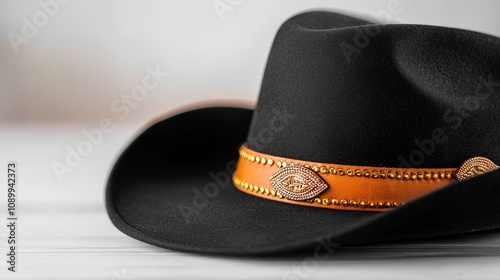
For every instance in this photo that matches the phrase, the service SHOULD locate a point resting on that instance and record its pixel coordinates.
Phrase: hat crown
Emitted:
(340, 90)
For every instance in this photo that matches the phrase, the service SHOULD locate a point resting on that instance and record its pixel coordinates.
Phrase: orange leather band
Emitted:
(360, 188)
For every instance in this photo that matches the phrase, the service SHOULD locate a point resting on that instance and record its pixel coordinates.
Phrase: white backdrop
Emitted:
(86, 54)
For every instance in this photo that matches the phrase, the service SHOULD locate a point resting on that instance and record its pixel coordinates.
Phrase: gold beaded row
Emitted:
(257, 159)
(256, 189)
(425, 175)
(319, 200)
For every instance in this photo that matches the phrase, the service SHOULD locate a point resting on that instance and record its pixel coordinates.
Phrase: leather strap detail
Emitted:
(334, 186)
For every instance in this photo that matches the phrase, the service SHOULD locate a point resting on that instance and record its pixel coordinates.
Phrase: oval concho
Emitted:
(474, 166)
(297, 182)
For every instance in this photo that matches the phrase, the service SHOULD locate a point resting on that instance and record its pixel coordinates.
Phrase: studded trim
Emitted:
(339, 171)
(349, 187)
(326, 201)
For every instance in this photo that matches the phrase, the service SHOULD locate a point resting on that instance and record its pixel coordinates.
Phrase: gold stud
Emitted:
(307, 166)
(388, 205)
(372, 205)
(341, 172)
(317, 200)
(278, 163)
(344, 202)
(349, 172)
(246, 186)
(323, 169)
(263, 160)
(279, 195)
(255, 188)
(362, 204)
(315, 168)
(261, 189)
(266, 191)
(358, 172)
(252, 158)
(335, 201)
(283, 164)
(272, 193)
(382, 174)
(398, 176)
(395, 204)
(353, 203)
(406, 176)
(270, 162)
(390, 175)
(332, 170)
(413, 176)
(441, 175)
(435, 176)
(366, 173)
(380, 204)
(427, 176)
(326, 201)
(448, 175)
(374, 174)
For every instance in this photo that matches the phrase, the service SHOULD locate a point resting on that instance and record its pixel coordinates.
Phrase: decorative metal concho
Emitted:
(474, 166)
(297, 182)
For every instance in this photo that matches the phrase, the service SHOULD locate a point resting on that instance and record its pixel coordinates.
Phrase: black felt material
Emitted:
(154, 180)
(402, 86)
(152, 184)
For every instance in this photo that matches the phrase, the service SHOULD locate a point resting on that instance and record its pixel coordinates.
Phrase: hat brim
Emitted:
(171, 188)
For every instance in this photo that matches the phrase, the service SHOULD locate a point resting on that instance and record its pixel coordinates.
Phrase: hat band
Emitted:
(345, 187)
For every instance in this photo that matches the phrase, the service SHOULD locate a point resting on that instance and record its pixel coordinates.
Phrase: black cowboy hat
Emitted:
(338, 91)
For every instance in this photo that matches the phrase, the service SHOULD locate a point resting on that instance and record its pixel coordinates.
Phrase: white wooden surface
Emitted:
(64, 231)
